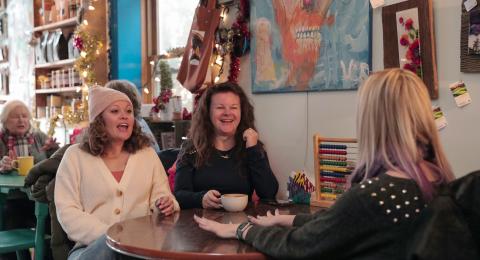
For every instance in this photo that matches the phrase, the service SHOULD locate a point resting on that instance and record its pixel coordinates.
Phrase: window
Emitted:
(174, 19)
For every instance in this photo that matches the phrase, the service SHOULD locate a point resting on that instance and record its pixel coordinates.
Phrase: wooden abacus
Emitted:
(335, 160)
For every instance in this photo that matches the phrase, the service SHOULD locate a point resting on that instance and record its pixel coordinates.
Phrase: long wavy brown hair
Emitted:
(202, 131)
(96, 139)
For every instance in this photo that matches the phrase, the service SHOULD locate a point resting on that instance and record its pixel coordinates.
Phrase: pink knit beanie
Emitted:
(99, 98)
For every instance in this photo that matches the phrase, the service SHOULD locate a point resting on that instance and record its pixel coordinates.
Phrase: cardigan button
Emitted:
(116, 211)
(119, 193)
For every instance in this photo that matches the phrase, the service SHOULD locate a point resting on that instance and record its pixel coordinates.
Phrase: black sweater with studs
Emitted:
(372, 220)
(225, 174)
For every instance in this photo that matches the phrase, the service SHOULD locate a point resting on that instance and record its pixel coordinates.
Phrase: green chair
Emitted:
(18, 240)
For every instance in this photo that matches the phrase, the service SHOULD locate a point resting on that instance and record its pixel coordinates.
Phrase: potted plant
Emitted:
(161, 104)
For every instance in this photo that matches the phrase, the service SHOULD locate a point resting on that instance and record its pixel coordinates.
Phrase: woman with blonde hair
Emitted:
(401, 165)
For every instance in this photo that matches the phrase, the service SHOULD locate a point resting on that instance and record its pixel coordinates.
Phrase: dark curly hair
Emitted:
(96, 138)
(202, 131)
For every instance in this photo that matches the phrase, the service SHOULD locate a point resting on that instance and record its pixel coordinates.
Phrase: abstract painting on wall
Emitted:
(309, 45)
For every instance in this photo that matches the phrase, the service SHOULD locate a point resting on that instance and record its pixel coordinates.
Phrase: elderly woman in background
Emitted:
(223, 154)
(112, 175)
(18, 138)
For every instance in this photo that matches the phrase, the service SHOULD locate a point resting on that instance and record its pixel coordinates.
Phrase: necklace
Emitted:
(224, 154)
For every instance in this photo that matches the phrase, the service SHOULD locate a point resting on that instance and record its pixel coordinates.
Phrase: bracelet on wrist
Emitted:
(242, 228)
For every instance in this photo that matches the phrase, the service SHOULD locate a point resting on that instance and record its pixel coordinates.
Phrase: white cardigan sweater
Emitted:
(89, 199)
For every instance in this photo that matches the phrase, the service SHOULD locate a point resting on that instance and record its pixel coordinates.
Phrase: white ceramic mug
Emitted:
(234, 202)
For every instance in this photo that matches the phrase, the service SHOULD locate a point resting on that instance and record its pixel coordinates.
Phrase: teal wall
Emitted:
(126, 41)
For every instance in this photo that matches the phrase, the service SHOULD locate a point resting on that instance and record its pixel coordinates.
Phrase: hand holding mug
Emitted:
(165, 205)
(250, 136)
(6, 163)
(211, 200)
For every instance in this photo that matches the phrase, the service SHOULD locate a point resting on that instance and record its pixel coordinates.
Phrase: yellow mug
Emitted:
(23, 164)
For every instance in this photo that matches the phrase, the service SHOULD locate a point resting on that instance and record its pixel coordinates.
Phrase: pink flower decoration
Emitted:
(404, 41)
(400, 20)
(78, 42)
(409, 24)
(410, 67)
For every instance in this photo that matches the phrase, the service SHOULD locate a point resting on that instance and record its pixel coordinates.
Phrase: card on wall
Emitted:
(459, 91)
(439, 117)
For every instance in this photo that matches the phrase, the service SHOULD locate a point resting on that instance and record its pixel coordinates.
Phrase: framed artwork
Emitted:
(299, 45)
(470, 40)
(408, 40)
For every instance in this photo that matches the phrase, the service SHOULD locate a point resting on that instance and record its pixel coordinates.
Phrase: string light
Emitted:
(83, 54)
(85, 22)
(85, 74)
(91, 8)
(146, 91)
(157, 79)
(152, 62)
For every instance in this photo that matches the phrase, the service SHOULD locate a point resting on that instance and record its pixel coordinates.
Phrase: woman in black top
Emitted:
(223, 154)
(401, 164)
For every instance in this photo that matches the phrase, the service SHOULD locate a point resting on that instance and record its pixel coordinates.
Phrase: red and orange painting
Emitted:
(309, 45)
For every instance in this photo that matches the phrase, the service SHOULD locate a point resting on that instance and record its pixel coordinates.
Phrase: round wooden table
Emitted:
(179, 237)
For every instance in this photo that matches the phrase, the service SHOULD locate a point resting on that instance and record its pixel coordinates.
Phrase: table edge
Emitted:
(135, 252)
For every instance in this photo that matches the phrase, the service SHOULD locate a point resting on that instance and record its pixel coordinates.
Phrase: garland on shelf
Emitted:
(241, 39)
(234, 41)
(89, 47)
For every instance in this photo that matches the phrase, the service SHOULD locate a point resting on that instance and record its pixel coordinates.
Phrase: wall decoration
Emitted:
(300, 45)
(460, 94)
(408, 40)
(440, 120)
(470, 40)
(409, 43)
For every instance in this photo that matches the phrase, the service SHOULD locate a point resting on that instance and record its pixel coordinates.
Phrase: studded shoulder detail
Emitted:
(398, 199)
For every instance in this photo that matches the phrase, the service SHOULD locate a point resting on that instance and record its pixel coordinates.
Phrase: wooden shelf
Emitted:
(55, 64)
(58, 90)
(64, 23)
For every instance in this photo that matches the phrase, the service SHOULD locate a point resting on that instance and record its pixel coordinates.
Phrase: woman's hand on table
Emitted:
(272, 219)
(221, 230)
(211, 200)
(250, 137)
(165, 205)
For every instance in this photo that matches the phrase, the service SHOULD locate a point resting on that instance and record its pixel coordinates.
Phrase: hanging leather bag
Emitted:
(198, 51)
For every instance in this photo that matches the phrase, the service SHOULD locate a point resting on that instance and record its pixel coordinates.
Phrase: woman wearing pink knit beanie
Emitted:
(112, 175)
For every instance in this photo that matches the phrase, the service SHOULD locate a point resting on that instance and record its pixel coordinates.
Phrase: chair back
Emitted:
(448, 228)
(41, 212)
